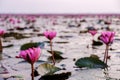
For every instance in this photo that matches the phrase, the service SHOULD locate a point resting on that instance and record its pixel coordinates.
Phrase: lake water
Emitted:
(72, 39)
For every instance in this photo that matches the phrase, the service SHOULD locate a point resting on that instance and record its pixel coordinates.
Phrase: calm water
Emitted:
(71, 39)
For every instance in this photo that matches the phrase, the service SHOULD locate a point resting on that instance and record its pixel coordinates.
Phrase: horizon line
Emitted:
(64, 14)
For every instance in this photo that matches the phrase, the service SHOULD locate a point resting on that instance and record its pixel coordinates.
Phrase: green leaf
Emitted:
(61, 76)
(33, 44)
(46, 69)
(8, 46)
(15, 35)
(90, 62)
(97, 43)
(39, 61)
(17, 76)
(55, 52)
(56, 56)
(65, 42)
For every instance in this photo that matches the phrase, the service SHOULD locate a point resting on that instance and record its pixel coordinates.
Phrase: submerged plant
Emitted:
(31, 55)
(107, 37)
(50, 35)
(1, 34)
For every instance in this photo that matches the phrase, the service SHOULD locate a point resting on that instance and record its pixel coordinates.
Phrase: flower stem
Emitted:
(107, 46)
(105, 54)
(92, 41)
(0, 45)
(52, 52)
(32, 69)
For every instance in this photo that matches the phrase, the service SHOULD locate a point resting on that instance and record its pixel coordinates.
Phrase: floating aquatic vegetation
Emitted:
(55, 52)
(46, 69)
(83, 31)
(32, 44)
(38, 61)
(8, 46)
(57, 56)
(90, 62)
(61, 76)
(64, 42)
(15, 35)
(67, 36)
(97, 43)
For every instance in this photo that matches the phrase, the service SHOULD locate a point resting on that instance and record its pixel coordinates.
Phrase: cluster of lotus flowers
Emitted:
(107, 38)
(31, 55)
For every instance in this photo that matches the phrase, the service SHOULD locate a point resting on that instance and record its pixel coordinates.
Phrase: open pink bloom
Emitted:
(50, 34)
(92, 32)
(2, 32)
(107, 37)
(31, 55)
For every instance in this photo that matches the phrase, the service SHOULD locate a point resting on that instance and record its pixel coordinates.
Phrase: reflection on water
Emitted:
(1, 56)
(0, 45)
(106, 74)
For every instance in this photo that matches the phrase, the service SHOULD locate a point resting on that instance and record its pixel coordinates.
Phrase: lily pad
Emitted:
(33, 44)
(46, 69)
(65, 42)
(15, 35)
(97, 43)
(8, 46)
(90, 28)
(83, 31)
(90, 62)
(68, 36)
(17, 76)
(55, 52)
(39, 61)
(14, 77)
(57, 57)
(61, 76)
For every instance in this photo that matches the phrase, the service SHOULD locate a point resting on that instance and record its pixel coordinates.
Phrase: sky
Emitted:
(59, 6)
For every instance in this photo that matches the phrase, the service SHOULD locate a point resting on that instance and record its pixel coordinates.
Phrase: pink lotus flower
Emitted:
(92, 32)
(11, 20)
(107, 37)
(31, 55)
(2, 32)
(31, 18)
(50, 34)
